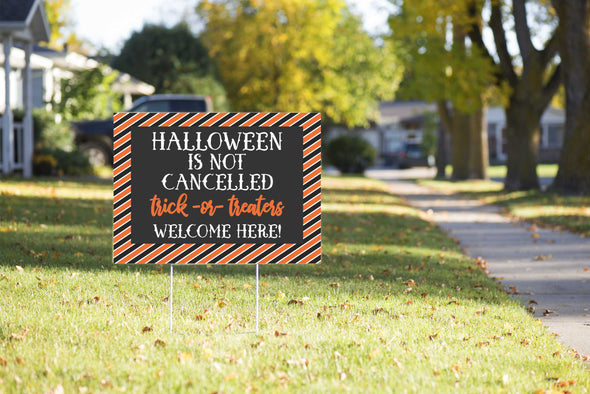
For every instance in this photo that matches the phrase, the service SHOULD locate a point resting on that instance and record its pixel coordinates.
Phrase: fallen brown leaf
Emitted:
(59, 389)
(410, 282)
(183, 357)
(21, 336)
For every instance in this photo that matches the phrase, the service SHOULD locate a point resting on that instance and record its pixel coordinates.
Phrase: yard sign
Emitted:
(217, 188)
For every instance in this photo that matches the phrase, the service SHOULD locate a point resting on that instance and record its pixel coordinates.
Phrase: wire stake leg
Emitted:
(170, 297)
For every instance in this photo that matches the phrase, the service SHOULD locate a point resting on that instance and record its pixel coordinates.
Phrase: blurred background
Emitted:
(452, 85)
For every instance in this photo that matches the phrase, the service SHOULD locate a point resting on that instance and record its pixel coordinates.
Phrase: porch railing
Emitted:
(18, 153)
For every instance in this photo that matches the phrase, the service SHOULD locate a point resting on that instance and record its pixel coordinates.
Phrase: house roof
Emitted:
(128, 84)
(17, 58)
(392, 112)
(24, 19)
(15, 10)
(70, 61)
(551, 115)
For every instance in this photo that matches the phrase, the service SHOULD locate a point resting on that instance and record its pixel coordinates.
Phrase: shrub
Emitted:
(55, 152)
(64, 162)
(44, 164)
(49, 134)
(350, 154)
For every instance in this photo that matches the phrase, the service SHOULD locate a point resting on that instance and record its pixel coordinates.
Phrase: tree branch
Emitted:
(476, 37)
(521, 27)
(497, 27)
(551, 86)
(551, 47)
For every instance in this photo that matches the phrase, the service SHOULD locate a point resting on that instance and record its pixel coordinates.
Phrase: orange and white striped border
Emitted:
(309, 251)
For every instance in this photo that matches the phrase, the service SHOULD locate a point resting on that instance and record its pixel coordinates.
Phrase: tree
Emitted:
(171, 59)
(531, 88)
(299, 55)
(57, 17)
(56, 11)
(574, 49)
(88, 95)
(448, 70)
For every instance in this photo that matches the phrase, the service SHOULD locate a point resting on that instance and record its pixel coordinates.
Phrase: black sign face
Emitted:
(226, 185)
(217, 188)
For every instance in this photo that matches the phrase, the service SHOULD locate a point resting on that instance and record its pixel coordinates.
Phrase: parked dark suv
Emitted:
(413, 155)
(95, 137)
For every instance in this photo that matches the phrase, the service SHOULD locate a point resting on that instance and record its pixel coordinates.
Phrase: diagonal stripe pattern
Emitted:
(308, 252)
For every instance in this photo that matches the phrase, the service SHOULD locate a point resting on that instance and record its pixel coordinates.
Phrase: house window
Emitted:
(38, 88)
(554, 135)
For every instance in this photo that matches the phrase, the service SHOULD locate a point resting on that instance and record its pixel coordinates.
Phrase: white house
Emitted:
(552, 129)
(66, 63)
(31, 78)
(402, 121)
(24, 22)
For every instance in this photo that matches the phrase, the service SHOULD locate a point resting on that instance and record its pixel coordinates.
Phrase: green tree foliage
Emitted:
(432, 34)
(56, 11)
(88, 95)
(528, 79)
(531, 84)
(59, 21)
(445, 67)
(171, 59)
(299, 55)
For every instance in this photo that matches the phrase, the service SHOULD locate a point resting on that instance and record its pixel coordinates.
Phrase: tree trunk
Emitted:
(478, 153)
(574, 163)
(522, 133)
(469, 142)
(460, 145)
(531, 89)
(573, 175)
(441, 152)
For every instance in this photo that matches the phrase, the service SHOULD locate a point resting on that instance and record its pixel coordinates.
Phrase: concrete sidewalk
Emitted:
(549, 267)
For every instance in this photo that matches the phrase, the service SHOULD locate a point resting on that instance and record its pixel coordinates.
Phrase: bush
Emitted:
(44, 164)
(350, 154)
(61, 162)
(49, 134)
(55, 152)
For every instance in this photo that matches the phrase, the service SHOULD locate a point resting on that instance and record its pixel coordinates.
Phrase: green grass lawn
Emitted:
(394, 307)
(499, 171)
(543, 171)
(544, 208)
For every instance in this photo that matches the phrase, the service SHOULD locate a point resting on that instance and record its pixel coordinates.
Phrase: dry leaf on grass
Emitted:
(21, 336)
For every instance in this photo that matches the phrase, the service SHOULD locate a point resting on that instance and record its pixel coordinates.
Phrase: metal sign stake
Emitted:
(256, 299)
(172, 289)
(170, 297)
